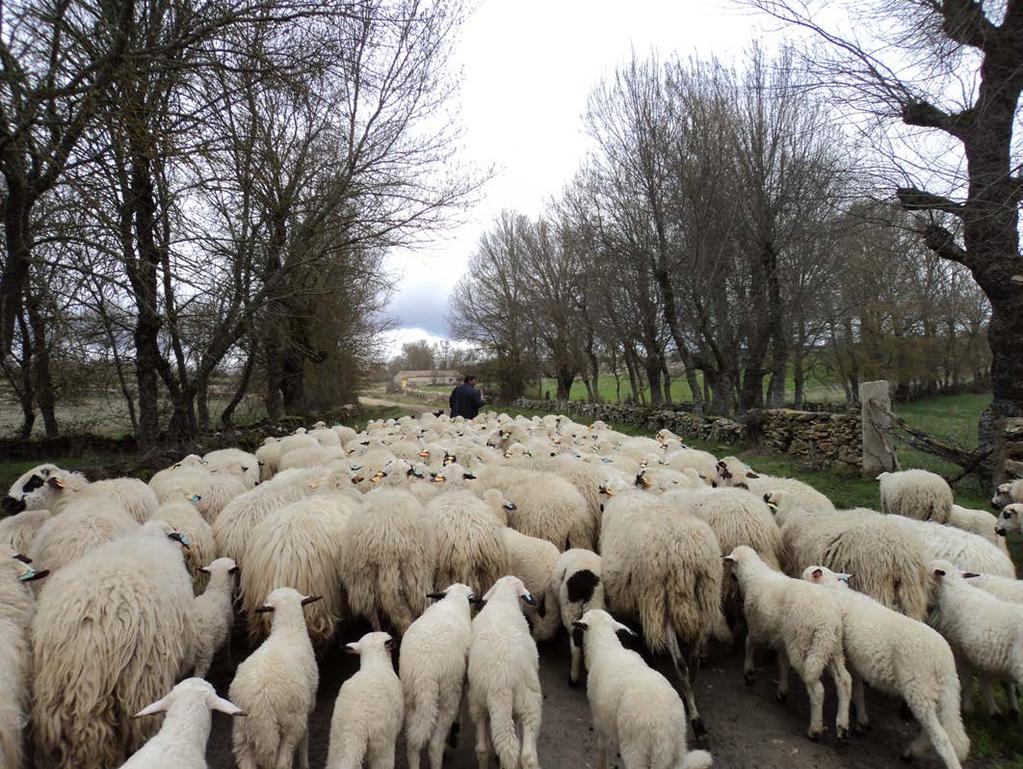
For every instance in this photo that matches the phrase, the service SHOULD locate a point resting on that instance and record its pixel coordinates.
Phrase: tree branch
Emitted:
(964, 21)
(943, 243)
(926, 115)
(913, 199)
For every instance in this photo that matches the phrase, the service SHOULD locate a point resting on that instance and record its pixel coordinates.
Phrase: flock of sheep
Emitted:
(470, 541)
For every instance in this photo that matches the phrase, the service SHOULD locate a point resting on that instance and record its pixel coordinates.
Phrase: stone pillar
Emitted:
(878, 452)
(1008, 458)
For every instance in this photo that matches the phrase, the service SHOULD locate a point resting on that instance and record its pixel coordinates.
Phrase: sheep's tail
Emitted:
(949, 715)
(259, 731)
(548, 623)
(392, 596)
(502, 727)
(422, 711)
(697, 759)
(348, 752)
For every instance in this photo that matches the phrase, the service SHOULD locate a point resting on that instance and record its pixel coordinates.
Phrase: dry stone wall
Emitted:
(813, 438)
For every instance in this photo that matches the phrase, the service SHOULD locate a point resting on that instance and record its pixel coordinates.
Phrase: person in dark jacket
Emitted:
(466, 400)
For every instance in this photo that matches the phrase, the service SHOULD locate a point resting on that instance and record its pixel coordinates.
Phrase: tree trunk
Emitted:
(41, 378)
(564, 379)
(666, 381)
(226, 418)
(631, 367)
(18, 240)
(25, 391)
(653, 375)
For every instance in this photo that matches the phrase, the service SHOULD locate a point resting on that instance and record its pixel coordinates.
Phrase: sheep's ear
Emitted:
(436, 596)
(509, 505)
(264, 609)
(224, 706)
(22, 558)
(159, 706)
(489, 593)
(311, 599)
(181, 539)
(526, 596)
(204, 570)
(55, 483)
(234, 570)
(817, 573)
(939, 572)
(580, 625)
(391, 644)
(469, 476)
(625, 629)
(970, 574)
(32, 575)
(845, 577)
(728, 559)
(352, 648)
(751, 474)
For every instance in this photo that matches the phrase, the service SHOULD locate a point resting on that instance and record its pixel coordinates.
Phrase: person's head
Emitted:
(470, 379)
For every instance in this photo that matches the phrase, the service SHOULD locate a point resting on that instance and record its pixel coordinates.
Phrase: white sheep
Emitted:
(16, 608)
(65, 490)
(20, 529)
(902, 658)
(803, 624)
(504, 679)
(434, 655)
(213, 613)
(135, 597)
(213, 489)
(663, 567)
(368, 710)
(578, 589)
(298, 546)
(64, 538)
(888, 561)
(547, 506)
(1010, 519)
(636, 711)
(388, 559)
(979, 522)
(276, 686)
(1006, 494)
(985, 632)
(968, 551)
(470, 548)
(27, 482)
(917, 494)
(179, 510)
(1005, 588)
(181, 741)
(311, 457)
(235, 462)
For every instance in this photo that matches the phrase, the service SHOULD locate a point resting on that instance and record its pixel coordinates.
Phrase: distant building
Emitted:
(405, 379)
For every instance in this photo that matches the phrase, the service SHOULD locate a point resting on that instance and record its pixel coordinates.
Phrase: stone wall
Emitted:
(814, 439)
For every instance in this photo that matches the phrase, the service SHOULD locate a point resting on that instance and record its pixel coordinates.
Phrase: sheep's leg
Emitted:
(447, 715)
(530, 719)
(843, 685)
(286, 752)
(987, 693)
(602, 750)
(381, 756)
(966, 684)
(303, 750)
(481, 720)
(932, 734)
(747, 664)
(860, 700)
(783, 676)
(575, 671)
(684, 674)
(1011, 690)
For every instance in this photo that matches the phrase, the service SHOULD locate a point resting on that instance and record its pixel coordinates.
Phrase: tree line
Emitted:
(750, 224)
(194, 188)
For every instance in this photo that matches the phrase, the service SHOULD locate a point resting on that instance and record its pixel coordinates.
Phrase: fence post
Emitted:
(878, 452)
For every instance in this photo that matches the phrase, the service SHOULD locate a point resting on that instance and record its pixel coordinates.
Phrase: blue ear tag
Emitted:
(844, 577)
(185, 539)
(195, 499)
(28, 575)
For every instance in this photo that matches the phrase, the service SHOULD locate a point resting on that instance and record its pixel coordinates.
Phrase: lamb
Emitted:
(298, 546)
(16, 608)
(135, 597)
(903, 658)
(985, 632)
(470, 547)
(213, 612)
(181, 741)
(979, 522)
(803, 623)
(368, 710)
(968, 551)
(20, 529)
(663, 567)
(65, 538)
(1005, 494)
(636, 711)
(434, 654)
(388, 559)
(533, 561)
(276, 687)
(548, 506)
(504, 678)
(917, 494)
(579, 589)
(1010, 520)
(888, 561)
(179, 510)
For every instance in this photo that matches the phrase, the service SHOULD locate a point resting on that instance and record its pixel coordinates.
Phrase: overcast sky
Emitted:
(529, 66)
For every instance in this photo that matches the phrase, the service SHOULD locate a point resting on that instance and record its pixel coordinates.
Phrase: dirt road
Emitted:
(748, 729)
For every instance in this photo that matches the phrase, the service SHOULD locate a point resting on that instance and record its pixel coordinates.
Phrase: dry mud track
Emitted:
(748, 728)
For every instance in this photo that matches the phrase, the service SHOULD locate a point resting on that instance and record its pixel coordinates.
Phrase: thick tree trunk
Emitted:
(17, 210)
(227, 417)
(25, 390)
(41, 378)
(653, 376)
(631, 367)
(666, 381)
